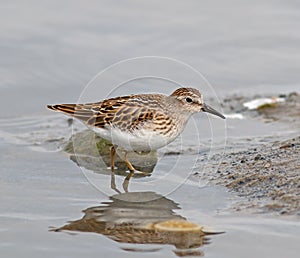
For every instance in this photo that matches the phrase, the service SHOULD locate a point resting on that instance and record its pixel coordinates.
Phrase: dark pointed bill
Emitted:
(210, 110)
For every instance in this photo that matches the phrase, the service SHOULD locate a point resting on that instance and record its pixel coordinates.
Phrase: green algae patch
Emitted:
(85, 142)
(267, 105)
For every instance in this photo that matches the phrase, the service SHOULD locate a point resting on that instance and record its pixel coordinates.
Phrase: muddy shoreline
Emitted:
(267, 176)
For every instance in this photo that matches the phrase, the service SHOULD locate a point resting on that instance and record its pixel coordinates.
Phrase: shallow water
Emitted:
(42, 189)
(51, 50)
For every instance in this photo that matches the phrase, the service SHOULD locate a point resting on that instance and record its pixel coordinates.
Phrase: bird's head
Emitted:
(191, 101)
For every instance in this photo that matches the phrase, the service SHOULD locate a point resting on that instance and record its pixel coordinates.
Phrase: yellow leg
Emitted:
(112, 157)
(112, 166)
(129, 165)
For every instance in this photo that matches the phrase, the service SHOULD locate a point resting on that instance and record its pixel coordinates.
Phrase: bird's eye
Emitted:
(188, 100)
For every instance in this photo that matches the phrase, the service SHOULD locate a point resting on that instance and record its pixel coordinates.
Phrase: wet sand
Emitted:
(266, 175)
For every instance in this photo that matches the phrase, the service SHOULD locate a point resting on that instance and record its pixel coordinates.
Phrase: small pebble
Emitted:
(258, 157)
(288, 145)
(70, 121)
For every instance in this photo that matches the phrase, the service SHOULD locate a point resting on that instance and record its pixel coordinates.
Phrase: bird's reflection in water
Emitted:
(142, 218)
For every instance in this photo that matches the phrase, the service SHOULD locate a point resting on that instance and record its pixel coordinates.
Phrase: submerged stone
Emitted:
(89, 150)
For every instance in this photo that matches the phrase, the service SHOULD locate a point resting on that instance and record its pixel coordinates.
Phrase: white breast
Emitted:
(139, 140)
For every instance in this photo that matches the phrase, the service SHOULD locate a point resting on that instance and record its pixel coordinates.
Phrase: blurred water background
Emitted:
(51, 49)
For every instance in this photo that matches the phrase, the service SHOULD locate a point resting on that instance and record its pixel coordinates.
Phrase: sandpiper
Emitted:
(141, 122)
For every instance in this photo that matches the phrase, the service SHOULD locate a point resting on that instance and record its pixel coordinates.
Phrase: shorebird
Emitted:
(141, 122)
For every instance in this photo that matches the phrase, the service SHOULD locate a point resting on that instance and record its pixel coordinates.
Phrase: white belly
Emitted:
(141, 140)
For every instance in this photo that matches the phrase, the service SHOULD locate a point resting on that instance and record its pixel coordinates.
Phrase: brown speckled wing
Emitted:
(126, 113)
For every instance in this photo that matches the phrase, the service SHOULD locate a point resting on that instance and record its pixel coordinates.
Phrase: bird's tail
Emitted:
(82, 112)
(69, 109)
